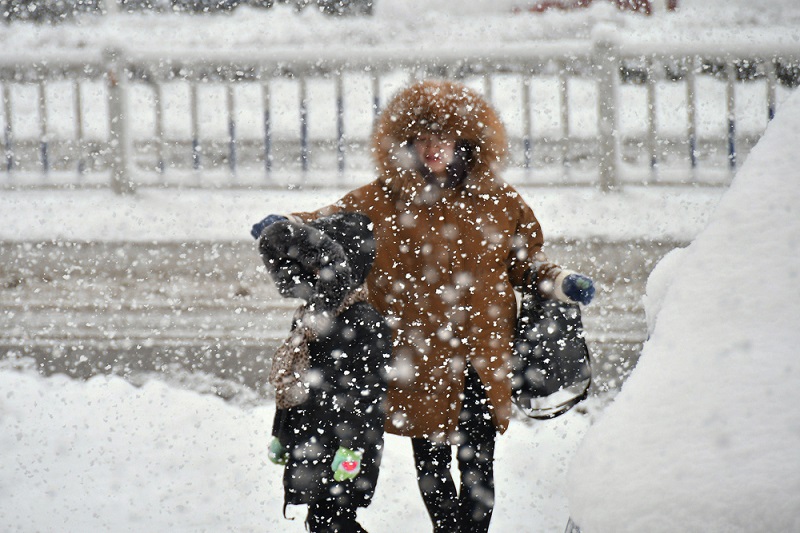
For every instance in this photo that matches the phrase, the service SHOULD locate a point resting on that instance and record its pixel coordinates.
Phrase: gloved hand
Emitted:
(346, 464)
(277, 453)
(259, 226)
(578, 288)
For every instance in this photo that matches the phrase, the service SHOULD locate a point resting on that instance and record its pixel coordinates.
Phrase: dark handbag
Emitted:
(551, 363)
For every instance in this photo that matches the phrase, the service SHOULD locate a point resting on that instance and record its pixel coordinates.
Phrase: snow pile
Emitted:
(105, 456)
(704, 436)
(658, 284)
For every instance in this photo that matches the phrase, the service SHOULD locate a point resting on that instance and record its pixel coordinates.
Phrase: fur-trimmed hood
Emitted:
(444, 108)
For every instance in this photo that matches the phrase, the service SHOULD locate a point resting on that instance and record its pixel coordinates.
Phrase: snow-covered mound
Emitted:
(704, 436)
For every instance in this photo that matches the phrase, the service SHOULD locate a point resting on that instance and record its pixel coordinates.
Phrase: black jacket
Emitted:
(346, 407)
(348, 362)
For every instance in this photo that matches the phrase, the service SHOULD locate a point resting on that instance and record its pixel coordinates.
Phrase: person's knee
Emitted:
(476, 456)
(481, 493)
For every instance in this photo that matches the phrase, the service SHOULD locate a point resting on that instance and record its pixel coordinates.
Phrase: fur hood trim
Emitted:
(438, 107)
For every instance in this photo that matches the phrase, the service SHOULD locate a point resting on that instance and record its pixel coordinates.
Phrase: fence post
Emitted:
(606, 61)
(304, 148)
(116, 82)
(9, 132)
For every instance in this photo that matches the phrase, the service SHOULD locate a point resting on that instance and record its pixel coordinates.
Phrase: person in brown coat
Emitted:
(452, 242)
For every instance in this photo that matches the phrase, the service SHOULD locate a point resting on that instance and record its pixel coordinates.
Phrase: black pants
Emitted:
(468, 510)
(327, 516)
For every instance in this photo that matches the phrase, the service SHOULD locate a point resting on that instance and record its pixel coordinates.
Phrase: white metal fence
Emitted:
(606, 112)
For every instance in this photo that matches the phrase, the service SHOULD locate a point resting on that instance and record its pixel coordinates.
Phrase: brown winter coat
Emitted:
(447, 260)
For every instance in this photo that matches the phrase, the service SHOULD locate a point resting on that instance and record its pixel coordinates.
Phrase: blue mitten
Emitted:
(578, 288)
(260, 226)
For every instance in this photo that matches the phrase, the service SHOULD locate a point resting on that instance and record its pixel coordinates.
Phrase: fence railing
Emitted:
(606, 112)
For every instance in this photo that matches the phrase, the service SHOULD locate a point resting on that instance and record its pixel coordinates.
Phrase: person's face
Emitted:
(435, 152)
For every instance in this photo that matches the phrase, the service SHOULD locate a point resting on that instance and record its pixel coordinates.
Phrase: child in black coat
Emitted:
(330, 374)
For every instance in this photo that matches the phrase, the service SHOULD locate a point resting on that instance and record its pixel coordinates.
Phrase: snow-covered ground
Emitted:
(156, 215)
(106, 456)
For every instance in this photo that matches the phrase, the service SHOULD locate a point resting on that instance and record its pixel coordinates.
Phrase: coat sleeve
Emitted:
(360, 377)
(356, 201)
(527, 262)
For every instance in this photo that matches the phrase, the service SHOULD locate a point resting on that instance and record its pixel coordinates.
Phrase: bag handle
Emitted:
(530, 287)
(560, 409)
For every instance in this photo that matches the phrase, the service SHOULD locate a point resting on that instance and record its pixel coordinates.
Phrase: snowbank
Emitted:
(704, 435)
